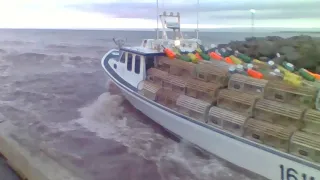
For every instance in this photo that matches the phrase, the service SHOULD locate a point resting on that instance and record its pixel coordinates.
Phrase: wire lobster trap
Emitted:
(306, 146)
(303, 96)
(202, 90)
(177, 67)
(162, 63)
(278, 113)
(174, 83)
(167, 98)
(192, 107)
(211, 73)
(269, 134)
(227, 120)
(311, 121)
(242, 83)
(148, 89)
(236, 101)
(156, 76)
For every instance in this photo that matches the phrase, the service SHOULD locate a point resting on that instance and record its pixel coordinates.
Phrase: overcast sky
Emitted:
(142, 13)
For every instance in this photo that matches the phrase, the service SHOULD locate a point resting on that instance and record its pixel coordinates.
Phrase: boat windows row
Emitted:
(130, 58)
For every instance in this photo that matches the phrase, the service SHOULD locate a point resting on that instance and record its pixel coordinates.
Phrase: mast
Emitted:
(157, 19)
(197, 19)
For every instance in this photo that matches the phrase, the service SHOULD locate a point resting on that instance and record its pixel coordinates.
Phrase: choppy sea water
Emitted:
(55, 91)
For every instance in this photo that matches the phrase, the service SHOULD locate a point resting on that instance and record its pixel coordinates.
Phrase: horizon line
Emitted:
(275, 29)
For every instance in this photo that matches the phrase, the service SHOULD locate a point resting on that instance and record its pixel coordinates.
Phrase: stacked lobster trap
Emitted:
(192, 107)
(246, 84)
(235, 101)
(227, 120)
(202, 90)
(306, 146)
(178, 68)
(303, 96)
(270, 112)
(272, 135)
(278, 113)
(211, 73)
(167, 98)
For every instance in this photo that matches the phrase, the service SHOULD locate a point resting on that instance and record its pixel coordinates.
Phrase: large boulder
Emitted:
(236, 44)
(302, 51)
(274, 38)
(310, 55)
(266, 48)
(293, 57)
(286, 50)
(264, 59)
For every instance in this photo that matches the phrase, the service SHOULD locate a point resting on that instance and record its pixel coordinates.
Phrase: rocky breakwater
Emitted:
(302, 51)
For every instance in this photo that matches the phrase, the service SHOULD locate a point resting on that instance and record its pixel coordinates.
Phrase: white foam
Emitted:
(106, 117)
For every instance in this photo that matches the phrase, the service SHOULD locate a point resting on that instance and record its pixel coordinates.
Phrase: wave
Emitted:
(13, 42)
(78, 46)
(27, 55)
(2, 51)
(110, 118)
(34, 56)
(57, 46)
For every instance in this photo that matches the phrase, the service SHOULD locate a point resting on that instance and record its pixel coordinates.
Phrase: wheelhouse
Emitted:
(133, 63)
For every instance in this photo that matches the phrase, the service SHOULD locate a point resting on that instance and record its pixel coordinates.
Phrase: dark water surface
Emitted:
(55, 91)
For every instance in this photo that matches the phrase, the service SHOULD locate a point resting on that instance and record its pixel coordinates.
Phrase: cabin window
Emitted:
(123, 57)
(137, 64)
(129, 62)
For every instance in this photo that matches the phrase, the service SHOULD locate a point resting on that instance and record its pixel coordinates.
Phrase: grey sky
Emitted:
(211, 11)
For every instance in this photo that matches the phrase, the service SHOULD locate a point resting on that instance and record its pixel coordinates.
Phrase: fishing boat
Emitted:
(264, 125)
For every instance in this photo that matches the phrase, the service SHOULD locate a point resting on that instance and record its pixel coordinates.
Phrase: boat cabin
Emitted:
(133, 62)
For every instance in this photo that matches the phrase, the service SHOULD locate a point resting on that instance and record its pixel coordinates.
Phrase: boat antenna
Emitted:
(119, 42)
(157, 19)
(197, 19)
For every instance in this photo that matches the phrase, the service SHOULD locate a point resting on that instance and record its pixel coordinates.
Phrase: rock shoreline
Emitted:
(302, 51)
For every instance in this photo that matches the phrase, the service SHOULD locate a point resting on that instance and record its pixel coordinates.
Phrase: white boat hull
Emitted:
(256, 160)
(260, 159)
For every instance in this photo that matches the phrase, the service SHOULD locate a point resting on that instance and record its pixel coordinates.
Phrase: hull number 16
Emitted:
(292, 174)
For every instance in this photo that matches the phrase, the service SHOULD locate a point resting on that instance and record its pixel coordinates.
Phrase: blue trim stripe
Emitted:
(121, 82)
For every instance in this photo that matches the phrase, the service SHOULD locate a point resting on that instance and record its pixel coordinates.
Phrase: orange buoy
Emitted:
(228, 60)
(169, 53)
(317, 76)
(198, 56)
(255, 74)
(214, 55)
